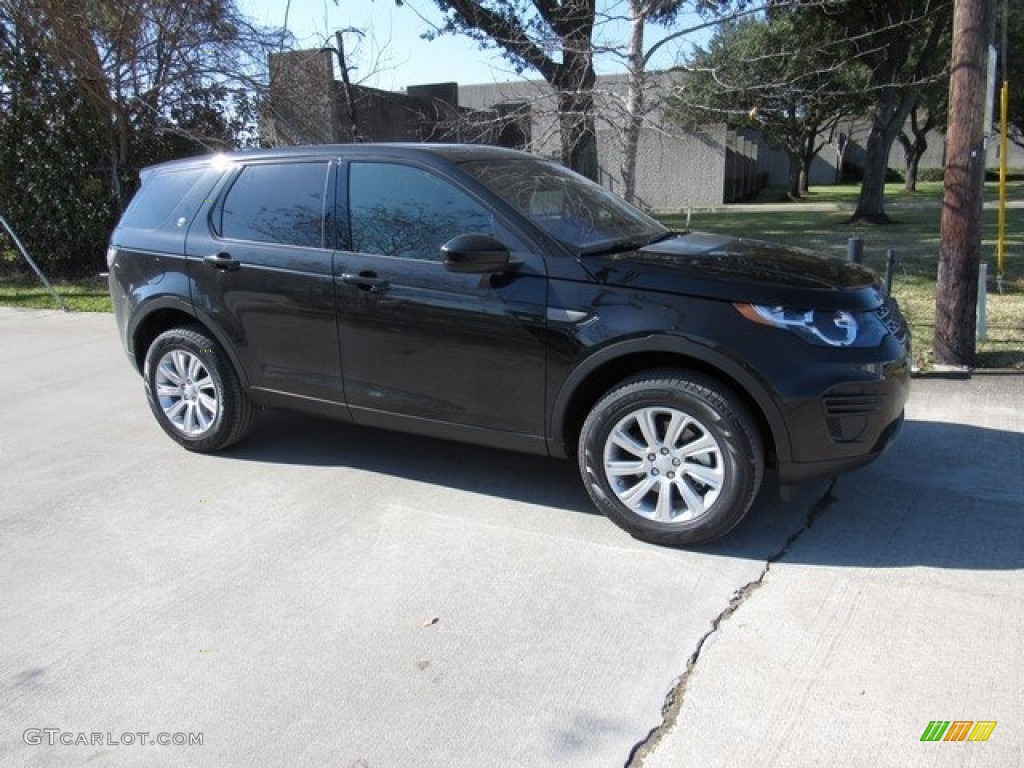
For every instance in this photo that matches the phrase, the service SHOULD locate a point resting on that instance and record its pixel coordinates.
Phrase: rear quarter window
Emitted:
(166, 196)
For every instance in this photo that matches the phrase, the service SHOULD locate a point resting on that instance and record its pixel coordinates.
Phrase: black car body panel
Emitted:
(314, 316)
(731, 269)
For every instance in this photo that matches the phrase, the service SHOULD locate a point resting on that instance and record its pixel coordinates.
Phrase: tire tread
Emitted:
(727, 406)
(237, 409)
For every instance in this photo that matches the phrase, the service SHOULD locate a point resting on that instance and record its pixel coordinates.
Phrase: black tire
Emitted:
(194, 392)
(688, 487)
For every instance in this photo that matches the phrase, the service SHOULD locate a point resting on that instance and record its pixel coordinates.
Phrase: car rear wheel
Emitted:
(672, 457)
(194, 392)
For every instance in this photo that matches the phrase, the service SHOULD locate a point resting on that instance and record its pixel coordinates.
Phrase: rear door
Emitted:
(423, 347)
(261, 275)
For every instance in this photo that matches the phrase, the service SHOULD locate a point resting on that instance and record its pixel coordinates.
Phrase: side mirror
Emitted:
(479, 254)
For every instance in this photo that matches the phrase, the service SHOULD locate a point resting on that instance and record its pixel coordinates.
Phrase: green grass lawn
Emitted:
(846, 195)
(88, 295)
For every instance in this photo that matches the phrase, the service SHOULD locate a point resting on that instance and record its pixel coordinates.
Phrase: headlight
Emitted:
(830, 327)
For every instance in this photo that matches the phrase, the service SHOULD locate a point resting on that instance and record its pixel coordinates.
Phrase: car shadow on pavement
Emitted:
(947, 496)
(944, 495)
(287, 438)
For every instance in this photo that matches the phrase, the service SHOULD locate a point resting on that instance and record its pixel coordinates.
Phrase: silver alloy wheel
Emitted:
(186, 392)
(664, 465)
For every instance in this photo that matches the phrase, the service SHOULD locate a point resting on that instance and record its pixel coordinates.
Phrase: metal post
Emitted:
(24, 252)
(855, 249)
(982, 323)
(1004, 109)
(890, 261)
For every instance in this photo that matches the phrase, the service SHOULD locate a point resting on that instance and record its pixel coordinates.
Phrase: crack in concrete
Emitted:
(674, 700)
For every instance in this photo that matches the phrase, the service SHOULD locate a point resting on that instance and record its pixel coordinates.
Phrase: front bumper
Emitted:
(846, 425)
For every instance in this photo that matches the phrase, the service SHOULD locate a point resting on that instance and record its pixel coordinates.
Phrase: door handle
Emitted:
(365, 281)
(222, 261)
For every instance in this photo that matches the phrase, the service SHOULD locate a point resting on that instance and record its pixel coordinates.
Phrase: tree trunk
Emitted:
(956, 296)
(796, 172)
(575, 82)
(913, 162)
(630, 149)
(840, 145)
(807, 154)
(122, 159)
(565, 61)
(579, 139)
(914, 148)
(634, 101)
(114, 156)
(890, 113)
(871, 202)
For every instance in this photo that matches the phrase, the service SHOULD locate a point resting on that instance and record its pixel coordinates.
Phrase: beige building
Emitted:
(675, 169)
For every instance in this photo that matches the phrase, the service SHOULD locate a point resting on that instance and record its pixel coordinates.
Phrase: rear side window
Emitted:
(165, 195)
(277, 203)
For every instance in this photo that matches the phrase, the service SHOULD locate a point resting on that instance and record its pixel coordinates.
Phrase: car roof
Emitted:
(450, 152)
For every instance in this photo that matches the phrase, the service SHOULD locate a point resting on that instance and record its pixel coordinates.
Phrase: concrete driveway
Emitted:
(325, 595)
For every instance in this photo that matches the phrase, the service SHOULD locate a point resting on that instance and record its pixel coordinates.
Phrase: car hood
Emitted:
(735, 269)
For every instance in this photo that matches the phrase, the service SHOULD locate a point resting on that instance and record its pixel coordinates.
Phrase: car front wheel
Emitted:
(194, 392)
(672, 457)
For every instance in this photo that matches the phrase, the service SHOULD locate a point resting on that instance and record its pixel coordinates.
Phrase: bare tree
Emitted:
(640, 100)
(141, 63)
(555, 39)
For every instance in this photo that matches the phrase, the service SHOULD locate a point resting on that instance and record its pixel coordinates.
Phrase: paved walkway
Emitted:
(902, 603)
(324, 595)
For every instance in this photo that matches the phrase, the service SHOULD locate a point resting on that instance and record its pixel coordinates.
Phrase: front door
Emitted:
(423, 347)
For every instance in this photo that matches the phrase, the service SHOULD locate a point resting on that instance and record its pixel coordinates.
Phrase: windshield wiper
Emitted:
(627, 244)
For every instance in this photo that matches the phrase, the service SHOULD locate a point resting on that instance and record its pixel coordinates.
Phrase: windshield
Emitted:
(574, 210)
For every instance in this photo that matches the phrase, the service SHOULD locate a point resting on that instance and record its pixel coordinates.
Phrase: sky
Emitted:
(392, 54)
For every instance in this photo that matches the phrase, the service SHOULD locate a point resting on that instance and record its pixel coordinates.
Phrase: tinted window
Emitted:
(397, 210)
(163, 194)
(569, 207)
(277, 203)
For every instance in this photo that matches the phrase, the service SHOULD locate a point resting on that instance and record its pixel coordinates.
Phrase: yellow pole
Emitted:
(1004, 108)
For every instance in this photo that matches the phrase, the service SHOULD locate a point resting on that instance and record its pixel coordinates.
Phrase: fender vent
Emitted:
(848, 415)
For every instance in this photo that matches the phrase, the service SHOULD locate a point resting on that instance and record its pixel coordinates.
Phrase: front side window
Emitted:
(570, 208)
(277, 203)
(398, 210)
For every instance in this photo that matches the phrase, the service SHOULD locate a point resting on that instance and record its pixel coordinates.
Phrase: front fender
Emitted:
(687, 351)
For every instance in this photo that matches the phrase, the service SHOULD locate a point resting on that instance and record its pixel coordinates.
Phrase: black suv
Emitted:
(493, 297)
